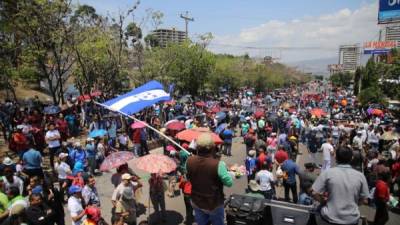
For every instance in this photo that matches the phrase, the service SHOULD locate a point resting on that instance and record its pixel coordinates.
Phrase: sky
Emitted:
(290, 30)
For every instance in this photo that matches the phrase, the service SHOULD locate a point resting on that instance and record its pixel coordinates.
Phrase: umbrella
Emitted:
(178, 126)
(389, 136)
(138, 125)
(220, 128)
(215, 109)
(171, 121)
(259, 114)
(377, 112)
(154, 163)
(200, 104)
(51, 110)
(220, 116)
(84, 98)
(317, 112)
(95, 93)
(181, 117)
(171, 102)
(192, 134)
(185, 99)
(97, 133)
(115, 160)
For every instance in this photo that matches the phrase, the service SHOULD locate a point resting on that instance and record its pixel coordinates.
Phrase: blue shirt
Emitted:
(292, 169)
(32, 159)
(91, 152)
(79, 156)
(227, 134)
(112, 130)
(250, 163)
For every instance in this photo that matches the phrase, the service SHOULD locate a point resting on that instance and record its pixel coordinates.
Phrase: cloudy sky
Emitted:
(293, 30)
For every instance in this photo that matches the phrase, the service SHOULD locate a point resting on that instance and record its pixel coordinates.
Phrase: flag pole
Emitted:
(147, 125)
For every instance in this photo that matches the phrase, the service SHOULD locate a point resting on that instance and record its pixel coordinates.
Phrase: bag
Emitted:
(246, 206)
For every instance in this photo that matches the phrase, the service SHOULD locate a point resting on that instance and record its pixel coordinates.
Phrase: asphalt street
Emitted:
(175, 206)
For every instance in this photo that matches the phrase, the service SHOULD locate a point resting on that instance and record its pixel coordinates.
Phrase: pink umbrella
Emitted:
(138, 125)
(154, 163)
(115, 160)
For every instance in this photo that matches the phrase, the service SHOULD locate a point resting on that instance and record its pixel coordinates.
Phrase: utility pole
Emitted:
(187, 19)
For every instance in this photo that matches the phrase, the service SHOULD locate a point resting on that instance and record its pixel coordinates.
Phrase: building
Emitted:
(165, 36)
(392, 33)
(349, 57)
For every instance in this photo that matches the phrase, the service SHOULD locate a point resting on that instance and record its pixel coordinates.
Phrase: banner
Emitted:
(379, 47)
(389, 11)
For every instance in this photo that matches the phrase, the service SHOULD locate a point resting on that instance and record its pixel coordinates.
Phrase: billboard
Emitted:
(379, 47)
(389, 11)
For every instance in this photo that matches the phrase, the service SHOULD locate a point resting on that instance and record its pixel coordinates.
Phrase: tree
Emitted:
(341, 79)
(44, 37)
(357, 79)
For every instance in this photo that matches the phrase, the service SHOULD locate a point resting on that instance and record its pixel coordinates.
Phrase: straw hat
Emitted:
(252, 153)
(205, 141)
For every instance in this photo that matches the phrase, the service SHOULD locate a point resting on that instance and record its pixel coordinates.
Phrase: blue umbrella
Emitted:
(97, 133)
(181, 117)
(220, 128)
(220, 116)
(51, 110)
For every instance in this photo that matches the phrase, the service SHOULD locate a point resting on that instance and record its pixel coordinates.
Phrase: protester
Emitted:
(89, 192)
(345, 188)
(289, 181)
(53, 138)
(207, 176)
(266, 181)
(75, 206)
(38, 213)
(157, 196)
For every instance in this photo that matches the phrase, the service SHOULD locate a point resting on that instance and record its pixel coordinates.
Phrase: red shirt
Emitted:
(281, 156)
(136, 136)
(396, 169)
(382, 190)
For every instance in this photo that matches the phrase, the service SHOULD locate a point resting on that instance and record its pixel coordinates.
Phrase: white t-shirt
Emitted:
(63, 169)
(264, 177)
(17, 182)
(75, 208)
(52, 134)
(123, 139)
(327, 150)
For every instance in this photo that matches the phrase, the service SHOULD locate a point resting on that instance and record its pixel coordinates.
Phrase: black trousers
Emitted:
(381, 215)
(293, 188)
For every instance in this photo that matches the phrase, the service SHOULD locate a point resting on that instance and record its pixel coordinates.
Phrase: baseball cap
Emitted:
(62, 155)
(74, 189)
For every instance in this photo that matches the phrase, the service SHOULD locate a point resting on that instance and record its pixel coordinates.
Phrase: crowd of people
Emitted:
(52, 167)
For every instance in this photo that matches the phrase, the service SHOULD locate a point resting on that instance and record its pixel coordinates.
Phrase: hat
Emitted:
(93, 212)
(252, 153)
(127, 193)
(7, 161)
(89, 139)
(205, 141)
(77, 144)
(185, 145)
(62, 155)
(74, 189)
(37, 190)
(273, 134)
(126, 176)
(253, 186)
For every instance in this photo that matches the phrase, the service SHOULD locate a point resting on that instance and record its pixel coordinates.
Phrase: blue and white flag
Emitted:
(139, 98)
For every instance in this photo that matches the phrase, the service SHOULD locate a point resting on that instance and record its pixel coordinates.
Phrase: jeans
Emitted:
(268, 194)
(158, 201)
(293, 188)
(137, 149)
(227, 149)
(216, 217)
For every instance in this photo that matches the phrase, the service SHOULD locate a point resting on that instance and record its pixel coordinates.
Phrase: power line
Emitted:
(287, 48)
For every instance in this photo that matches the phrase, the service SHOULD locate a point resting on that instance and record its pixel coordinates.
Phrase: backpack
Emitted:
(245, 206)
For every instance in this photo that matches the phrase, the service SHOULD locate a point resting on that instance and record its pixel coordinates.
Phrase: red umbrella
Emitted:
(84, 97)
(95, 93)
(216, 109)
(259, 114)
(200, 104)
(154, 163)
(192, 134)
(176, 126)
(115, 160)
(292, 110)
(172, 102)
(138, 125)
(317, 112)
(377, 112)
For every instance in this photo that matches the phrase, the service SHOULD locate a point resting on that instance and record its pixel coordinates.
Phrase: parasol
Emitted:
(193, 134)
(115, 160)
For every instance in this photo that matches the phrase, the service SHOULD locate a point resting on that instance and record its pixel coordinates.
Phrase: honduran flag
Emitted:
(139, 98)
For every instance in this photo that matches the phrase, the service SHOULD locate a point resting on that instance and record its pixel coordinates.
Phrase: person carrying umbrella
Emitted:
(157, 196)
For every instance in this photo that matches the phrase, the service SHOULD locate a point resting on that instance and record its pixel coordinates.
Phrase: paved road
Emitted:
(175, 206)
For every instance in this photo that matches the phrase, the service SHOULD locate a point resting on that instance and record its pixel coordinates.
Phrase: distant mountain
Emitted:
(320, 66)
(314, 66)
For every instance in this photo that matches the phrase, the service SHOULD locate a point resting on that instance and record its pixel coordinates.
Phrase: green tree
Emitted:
(341, 79)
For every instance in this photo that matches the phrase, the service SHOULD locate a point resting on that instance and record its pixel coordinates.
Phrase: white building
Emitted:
(349, 57)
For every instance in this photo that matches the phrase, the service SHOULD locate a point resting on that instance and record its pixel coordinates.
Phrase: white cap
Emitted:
(8, 161)
(62, 155)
